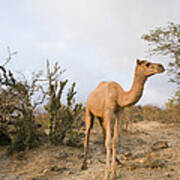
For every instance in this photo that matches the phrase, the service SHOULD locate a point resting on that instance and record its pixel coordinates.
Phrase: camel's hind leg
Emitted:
(89, 124)
(103, 128)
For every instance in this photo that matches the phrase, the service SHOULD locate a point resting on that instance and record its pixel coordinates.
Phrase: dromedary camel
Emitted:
(105, 103)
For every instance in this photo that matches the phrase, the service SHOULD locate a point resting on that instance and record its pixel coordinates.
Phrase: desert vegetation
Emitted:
(30, 108)
(34, 109)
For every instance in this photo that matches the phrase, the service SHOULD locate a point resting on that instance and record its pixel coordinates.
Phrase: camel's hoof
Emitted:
(84, 166)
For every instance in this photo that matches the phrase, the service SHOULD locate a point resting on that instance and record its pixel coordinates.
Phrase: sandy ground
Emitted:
(141, 160)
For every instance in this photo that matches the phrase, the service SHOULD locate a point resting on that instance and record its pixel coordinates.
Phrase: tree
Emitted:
(166, 41)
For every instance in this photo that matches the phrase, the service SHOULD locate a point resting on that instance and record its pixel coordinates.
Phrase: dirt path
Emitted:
(140, 162)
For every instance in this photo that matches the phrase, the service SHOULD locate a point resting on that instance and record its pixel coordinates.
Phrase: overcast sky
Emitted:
(93, 40)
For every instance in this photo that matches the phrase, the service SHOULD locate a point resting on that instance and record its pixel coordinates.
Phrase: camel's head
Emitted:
(148, 68)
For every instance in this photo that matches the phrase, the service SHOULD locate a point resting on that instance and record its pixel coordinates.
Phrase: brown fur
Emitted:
(106, 102)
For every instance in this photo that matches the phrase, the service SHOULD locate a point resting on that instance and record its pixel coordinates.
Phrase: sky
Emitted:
(94, 40)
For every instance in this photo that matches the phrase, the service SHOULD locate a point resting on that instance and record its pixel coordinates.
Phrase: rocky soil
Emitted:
(149, 151)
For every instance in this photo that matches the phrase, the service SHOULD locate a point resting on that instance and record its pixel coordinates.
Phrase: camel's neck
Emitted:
(134, 94)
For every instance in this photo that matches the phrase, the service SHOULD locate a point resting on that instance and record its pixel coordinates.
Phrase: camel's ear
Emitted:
(138, 62)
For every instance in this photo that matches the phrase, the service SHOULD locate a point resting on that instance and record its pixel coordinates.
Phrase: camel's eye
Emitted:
(148, 64)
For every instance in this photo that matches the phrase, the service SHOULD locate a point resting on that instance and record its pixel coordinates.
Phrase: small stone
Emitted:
(69, 164)
(47, 131)
(168, 175)
(44, 171)
(159, 145)
(69, 172)
(127, 154)
(157, 163)
(62, 155)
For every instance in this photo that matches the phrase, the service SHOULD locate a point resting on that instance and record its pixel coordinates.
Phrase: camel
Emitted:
(107, 101)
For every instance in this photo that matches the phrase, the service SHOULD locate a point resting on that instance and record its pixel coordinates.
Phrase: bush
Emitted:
(63, 119)
(17, 111)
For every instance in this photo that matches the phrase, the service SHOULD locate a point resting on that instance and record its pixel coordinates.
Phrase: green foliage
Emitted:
(166, 41)
(26, 135)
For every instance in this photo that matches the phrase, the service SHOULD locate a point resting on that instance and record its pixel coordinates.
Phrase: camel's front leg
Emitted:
(114, 143)
(88, 121)
(107, 120)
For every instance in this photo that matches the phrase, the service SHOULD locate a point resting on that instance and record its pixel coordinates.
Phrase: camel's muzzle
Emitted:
(161, 68)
